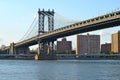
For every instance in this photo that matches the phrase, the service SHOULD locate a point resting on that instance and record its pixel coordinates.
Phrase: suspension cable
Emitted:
(29, 28)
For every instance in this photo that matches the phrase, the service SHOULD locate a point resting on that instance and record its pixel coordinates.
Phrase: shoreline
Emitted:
(62, 57)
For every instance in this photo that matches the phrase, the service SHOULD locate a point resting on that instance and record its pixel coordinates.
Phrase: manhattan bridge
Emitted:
(48, 26)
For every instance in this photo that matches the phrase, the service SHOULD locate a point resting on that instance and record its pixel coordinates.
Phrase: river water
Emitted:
(60, 70)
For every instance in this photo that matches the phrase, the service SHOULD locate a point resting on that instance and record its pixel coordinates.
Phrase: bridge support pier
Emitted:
(50, 48)
(18, 50)
(46, 50)
(12, 49)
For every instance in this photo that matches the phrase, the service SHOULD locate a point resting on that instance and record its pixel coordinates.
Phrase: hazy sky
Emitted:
(17, 15)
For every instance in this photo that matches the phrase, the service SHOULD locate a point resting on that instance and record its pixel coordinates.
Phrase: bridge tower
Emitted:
(43, 44)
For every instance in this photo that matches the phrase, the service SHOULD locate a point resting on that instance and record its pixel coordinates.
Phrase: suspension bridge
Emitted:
(45, 34)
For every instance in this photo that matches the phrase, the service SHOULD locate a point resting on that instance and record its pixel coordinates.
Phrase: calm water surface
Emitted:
(60, 70)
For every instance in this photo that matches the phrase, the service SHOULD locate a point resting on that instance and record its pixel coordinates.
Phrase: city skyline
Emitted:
(16, 16)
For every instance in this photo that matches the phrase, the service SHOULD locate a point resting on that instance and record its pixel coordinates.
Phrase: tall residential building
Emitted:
(88, 44)
(116, 42)
(64, 46)
(105, 47)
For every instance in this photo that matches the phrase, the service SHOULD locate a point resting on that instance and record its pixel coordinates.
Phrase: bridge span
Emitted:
(96, 23)
(100, 22)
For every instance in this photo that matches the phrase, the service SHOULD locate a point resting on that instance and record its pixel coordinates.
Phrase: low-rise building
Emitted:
(105, 47)
(64, 46)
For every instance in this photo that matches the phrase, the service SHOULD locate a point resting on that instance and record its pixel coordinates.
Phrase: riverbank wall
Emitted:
(63, 57)
(17, 57)
(88, 56)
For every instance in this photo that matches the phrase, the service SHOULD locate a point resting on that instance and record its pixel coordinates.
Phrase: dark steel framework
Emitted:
(42, 44)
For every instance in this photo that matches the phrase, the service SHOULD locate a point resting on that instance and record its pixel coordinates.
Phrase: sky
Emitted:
(17, 15)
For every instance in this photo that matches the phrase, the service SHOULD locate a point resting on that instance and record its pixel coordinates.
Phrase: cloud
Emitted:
(101, 32)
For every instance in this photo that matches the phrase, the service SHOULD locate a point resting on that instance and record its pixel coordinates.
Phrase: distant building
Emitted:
(88, 44)
(105, 47)
(64, 46)
(116, 42)
(2, 47)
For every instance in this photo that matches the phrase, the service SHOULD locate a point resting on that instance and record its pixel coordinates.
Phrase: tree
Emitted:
(109, 52)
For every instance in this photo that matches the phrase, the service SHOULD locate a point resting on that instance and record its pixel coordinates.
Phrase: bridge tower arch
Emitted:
(43, 44)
